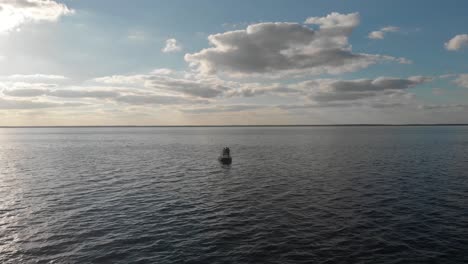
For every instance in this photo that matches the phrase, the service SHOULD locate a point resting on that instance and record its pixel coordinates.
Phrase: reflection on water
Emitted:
(292, 195)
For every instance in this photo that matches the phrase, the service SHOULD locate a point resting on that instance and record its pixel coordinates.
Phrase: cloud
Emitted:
(462, 80)
(172, 46)
(62, 93)
(14, 13)
(197, 86)
(336, 21)
(330, 90)
(137, 35)
(122, 79)
(185, 90)
(450, 75)
(25, 104)
(26, 85)
(160, 80)
(379, 34)
(345, 104)
(34, 77)
(285, 48)
(457, 42)
(319, 90)
(25, 89)
(450, 107)
(96, 94)
(326, 90)
(222, 108)
(162, 71)
(256, 89)
(127, 96)
(156, 100)
(204, 88)
(314, 105)
(25, 92)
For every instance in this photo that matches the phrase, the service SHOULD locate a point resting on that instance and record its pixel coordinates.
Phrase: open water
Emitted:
(291, 195)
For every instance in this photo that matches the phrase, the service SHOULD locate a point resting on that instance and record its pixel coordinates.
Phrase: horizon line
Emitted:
(188, 126)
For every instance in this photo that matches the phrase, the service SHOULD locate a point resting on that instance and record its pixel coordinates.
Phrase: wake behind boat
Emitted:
(225, 157)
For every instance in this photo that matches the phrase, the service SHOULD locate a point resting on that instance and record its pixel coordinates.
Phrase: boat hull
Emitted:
(225, 160)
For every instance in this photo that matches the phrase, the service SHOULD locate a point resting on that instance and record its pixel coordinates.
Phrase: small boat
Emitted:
(225, 157)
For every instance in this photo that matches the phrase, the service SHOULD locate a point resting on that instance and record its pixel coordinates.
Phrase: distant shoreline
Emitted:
(195, 126)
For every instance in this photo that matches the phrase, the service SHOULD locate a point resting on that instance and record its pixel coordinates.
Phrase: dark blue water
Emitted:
(292, 195)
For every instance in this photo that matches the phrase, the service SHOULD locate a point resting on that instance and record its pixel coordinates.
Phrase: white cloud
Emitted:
(121, 79)
(277, 49)
(160, 80)
(162, 71)
(334, 21)
(73, 92)
(379, 34)
(14, 13)
(196, 86)
(137, 35)
(376, 35)
(457, 42)
(462, 80)
(34, 77)
(26, 85)
(449, 75)
(172, 45)
(99, 95)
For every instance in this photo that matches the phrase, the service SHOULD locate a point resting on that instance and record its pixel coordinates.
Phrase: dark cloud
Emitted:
(24, 104)
(222, 108)
(343, 105)
(197, 88)
(159, 79)
(156, 100)
(315, 105)
(25, 92)
(103, 94)
(344, 90)
(127, 96)
(255, 89)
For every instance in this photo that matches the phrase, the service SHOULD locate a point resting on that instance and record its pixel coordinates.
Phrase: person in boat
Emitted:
(226, 151)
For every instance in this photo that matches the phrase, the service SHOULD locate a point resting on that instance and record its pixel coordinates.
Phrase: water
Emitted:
(292, 195)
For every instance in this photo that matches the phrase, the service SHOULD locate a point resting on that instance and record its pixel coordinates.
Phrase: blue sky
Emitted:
(151, 62)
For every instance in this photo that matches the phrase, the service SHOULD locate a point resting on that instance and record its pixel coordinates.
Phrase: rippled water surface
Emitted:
(292, 195)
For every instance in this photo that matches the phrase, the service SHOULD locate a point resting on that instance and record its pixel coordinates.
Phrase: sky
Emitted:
(233, 62)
